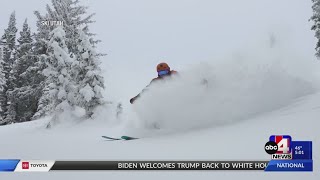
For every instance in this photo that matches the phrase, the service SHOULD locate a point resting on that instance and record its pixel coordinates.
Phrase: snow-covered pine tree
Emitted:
(2, 80)
(2, 77)
(58, 85)
(25, 94)
(24, 55)
(7, 42)
(0, 53)
(87, 74)
(75, 22)
(316, 26)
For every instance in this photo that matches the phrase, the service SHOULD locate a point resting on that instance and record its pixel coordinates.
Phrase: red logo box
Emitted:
(283, 142)
(25, 165)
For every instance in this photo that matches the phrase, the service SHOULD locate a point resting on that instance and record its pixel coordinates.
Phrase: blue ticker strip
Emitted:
(290, 165)
(8, 164)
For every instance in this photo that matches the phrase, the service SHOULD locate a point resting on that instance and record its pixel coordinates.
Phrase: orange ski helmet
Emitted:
(163, 66)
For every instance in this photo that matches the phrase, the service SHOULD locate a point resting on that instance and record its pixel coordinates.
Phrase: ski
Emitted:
(111, 138)
(127, 138)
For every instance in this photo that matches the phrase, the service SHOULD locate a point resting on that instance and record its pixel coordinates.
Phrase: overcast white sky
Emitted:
(137, 34)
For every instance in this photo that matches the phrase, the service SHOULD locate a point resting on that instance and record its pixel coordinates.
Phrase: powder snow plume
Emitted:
(215, 94)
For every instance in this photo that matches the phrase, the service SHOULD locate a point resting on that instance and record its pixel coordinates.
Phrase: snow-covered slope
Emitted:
(83, 142)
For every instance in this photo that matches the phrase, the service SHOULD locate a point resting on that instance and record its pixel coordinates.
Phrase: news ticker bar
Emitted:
(161, 165)
(15, 165)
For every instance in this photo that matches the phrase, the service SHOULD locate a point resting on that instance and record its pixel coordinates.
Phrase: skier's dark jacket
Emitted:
(172, 72)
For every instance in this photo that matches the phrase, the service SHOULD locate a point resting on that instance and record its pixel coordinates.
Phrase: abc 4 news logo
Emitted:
(279, 147)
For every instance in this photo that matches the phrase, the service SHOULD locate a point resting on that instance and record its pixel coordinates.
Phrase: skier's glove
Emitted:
(132, 100)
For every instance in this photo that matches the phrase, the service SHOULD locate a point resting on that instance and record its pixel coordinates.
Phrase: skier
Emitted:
(163, 70)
